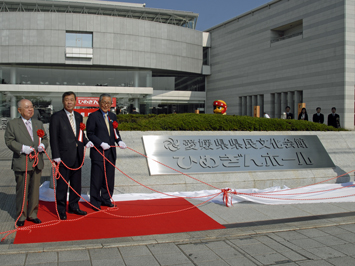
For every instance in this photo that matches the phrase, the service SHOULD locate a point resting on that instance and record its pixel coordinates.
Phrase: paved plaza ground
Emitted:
(297, 234)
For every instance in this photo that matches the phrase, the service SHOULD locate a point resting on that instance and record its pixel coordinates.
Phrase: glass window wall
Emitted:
(78, 40)
(75, 76)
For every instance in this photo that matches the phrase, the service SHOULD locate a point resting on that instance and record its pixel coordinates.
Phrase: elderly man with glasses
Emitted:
(22, 138)
(101, 130)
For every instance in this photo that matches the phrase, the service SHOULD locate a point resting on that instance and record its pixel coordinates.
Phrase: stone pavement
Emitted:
(297, 234)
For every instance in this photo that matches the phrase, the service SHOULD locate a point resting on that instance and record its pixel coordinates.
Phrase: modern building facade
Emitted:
(148, 58)
(284, 53)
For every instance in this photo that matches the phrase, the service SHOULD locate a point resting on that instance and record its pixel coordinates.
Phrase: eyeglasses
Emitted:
(28, 107)
(106, 103)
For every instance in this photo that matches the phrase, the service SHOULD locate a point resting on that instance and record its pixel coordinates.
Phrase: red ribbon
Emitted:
(226, 200)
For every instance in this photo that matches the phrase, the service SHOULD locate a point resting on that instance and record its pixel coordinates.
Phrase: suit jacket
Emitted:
(64, 144)
(334, 120)
(289, 115)
(305, 117)
(98, 133)
(16, 135)
(318, 118)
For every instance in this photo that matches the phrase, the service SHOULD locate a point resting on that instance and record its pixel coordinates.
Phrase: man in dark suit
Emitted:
(67, 146)
(289, 115)
(21, 137)
(318, 117)
(101, 132)
(334, 119)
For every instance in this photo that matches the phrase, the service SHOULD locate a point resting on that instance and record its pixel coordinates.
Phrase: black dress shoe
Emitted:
(20, 223)
(108, 204)
(62, 216)
(96, 209)
(77, 211)
(35, 220)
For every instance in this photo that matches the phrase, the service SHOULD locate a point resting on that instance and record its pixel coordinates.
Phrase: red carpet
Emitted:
(102, 225)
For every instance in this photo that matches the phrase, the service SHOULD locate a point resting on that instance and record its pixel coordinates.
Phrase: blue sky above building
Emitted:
(211, 12)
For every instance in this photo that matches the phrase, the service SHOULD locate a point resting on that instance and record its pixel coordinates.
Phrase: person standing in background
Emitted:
(318, 117)
(289, 115)
(303, 115)
(334, 119)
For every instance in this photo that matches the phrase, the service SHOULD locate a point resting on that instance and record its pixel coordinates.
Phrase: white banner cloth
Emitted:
(320, 193)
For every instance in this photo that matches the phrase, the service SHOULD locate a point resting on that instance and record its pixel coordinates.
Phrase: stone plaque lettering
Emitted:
(212, 154)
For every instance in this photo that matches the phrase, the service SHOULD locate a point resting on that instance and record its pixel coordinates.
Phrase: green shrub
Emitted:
(213, 122)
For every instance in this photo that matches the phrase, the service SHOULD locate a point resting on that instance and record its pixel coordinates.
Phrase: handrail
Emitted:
(278, 39)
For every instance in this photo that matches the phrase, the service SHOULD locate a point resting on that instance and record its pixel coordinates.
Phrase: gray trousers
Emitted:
(30, 208)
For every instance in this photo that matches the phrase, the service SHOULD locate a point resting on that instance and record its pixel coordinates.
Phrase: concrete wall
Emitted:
(318, 64)
(339, 145)
(39, 38)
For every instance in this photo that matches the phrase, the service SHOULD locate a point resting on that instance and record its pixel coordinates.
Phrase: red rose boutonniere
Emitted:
(115, 125)
(82, 126)
(40, 133)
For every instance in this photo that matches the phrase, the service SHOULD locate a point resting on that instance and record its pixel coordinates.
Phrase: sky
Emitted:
(211, 12)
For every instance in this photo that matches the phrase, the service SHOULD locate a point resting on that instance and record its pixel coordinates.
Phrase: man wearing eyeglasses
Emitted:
(101, 132)
(22, 139)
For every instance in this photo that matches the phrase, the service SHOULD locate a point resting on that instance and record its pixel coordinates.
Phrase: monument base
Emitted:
(339, 145)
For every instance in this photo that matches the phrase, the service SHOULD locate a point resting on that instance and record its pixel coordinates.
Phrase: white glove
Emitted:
(89, 144)
(26, 149)
(57, 160)
(41, 147)
(105, 146)
(122, 145)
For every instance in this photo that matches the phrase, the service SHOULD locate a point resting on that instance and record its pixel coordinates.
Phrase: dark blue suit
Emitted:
(65, 145)
(97, 132)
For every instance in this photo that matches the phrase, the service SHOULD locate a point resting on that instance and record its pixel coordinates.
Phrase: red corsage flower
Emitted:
(115, 124)
(40, 133)
(82, 126)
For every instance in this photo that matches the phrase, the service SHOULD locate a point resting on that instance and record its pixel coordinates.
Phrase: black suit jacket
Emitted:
(318, 118)
(334, 120)
(64, 143)
(97, 132)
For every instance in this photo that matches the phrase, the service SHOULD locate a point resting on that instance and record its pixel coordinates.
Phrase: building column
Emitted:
(296, 102)
(149, 80)
(13, 108)
(136, 104)
(136, 79)
(261, 104)
(277, 105)
(283, 101)
(244, 105)
(13, 75)
(291, 103)
(239, 106)
(269, 103)
(249, 106)
(254, 101)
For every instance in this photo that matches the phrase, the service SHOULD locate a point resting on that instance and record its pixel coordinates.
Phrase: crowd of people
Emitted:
(318, 117)
(27, 139)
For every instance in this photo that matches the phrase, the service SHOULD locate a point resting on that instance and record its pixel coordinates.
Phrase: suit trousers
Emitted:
(73, 177)
(98, 189)
(30, 208)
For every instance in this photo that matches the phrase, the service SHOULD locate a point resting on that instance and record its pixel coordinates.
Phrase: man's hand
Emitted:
(26, 149)
(122, 145)
(105, 146)
(89, 144)
(57, 160)
(41, 147)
